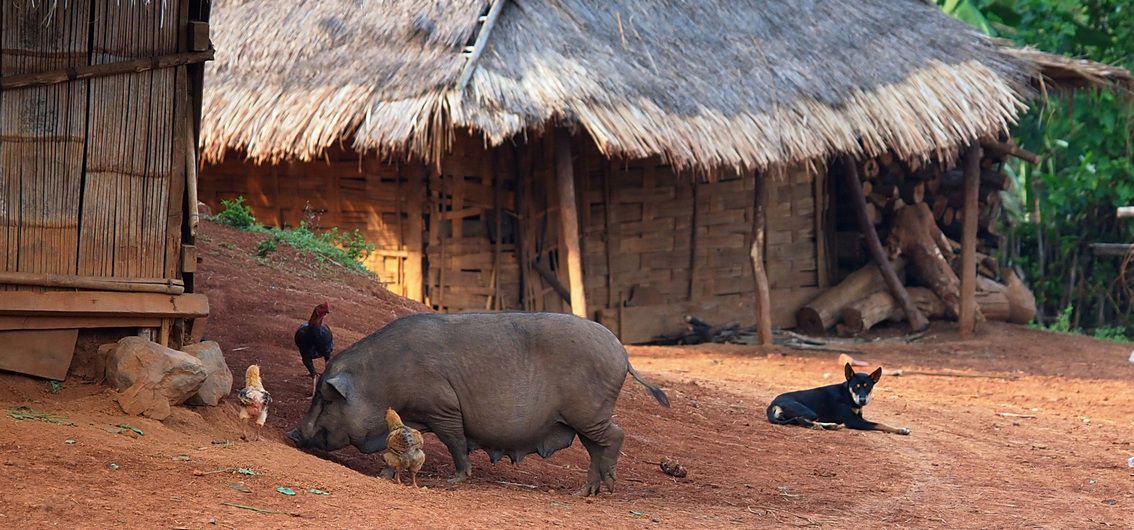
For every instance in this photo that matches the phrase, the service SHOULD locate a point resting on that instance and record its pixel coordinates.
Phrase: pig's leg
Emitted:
(452, 434)
(603, 442)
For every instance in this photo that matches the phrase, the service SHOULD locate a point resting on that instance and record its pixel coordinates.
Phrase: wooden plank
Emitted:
(415, 214)
(967, 318)
(42, 353)
(91, 303)
(9, 323)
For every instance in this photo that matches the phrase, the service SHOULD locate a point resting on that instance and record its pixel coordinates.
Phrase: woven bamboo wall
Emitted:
(381, 200)
(87, 168)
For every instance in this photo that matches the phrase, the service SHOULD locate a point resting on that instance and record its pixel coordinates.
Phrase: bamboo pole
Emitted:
(481, 42)
(967, 317)
(759, 274)
(569, 220)
(64, 281)
(93, 71)
(917, 320)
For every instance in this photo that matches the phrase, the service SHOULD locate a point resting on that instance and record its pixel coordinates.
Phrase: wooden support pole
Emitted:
(759, 274)
(521, 218)
(917, 320)
(415, 226)
(569, 220)
(967, 316)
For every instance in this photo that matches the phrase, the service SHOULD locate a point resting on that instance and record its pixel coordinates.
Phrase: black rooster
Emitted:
(314, 340)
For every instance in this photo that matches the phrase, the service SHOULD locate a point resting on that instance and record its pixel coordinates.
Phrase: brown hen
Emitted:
(403, 448)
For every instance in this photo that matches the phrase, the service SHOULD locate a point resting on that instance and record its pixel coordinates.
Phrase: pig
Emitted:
(511, 384)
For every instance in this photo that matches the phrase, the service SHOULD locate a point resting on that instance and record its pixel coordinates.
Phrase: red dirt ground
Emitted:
(1060, 464)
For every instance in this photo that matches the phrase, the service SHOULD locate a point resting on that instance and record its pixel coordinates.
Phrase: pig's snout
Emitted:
(295, 437)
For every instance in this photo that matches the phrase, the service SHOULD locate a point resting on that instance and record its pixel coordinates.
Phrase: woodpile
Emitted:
(917, 211)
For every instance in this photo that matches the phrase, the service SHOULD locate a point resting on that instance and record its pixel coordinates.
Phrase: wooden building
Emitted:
(526, 155)
(99, 113)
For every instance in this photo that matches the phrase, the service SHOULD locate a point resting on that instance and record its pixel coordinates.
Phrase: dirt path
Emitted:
(964, 466)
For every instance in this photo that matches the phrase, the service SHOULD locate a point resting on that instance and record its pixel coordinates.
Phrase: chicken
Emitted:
(254, 400)
(314, 339)
(403, 448)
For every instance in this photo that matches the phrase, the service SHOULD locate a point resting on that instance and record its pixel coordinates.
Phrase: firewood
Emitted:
(949, 216)
(1005, 148)
(912, 192)
(873, 214)
(920, 241)
(823, 312)
(885, 159)
(862, 315)
(1021, 301)
(867, 187)
(870, 169)
(992, 299)
(939, 205)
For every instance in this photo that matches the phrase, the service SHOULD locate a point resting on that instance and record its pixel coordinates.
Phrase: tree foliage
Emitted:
(1087, 140)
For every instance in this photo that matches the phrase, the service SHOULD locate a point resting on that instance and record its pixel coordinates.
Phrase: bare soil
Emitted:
(1036, 435)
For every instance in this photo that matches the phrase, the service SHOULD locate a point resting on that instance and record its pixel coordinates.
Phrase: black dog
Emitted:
(832, 406)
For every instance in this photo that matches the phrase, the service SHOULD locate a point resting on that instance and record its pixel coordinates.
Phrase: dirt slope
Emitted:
(1059, 463)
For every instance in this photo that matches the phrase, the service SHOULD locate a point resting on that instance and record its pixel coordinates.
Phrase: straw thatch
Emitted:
(704, 84)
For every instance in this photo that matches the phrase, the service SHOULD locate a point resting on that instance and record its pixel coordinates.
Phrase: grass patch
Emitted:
(1062, 324)
(347, 249)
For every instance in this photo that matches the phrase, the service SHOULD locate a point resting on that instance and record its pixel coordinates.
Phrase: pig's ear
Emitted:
(342, 384)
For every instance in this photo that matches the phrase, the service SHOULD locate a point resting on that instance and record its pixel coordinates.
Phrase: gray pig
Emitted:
(509, 383)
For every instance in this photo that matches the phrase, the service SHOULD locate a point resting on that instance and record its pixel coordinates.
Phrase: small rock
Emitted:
(1110, 502)
(1130, 462)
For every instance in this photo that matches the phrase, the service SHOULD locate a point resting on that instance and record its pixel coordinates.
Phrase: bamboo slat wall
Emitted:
(382, 201)
(88, 183)
(491, 221)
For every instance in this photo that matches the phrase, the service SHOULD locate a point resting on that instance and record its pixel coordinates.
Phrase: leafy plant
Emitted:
(1058, 208)
(267, 246)
(236, 214)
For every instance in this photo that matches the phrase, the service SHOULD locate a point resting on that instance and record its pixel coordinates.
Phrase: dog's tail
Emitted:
(657, 392)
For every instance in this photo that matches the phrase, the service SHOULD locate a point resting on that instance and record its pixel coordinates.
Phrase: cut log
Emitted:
(862, 315)
(1021, 301)
(920, 241)
(912, 191)
(1004, 148)
(870, 169)
(867, 187)
(992, 298)
(820, 314)
(939, 206)
(873, 214)
(878, 255)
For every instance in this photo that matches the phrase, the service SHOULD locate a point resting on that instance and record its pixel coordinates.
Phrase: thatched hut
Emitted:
(99, 112)
(527, 155)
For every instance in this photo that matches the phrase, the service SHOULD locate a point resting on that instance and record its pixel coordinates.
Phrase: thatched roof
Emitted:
(704, 84)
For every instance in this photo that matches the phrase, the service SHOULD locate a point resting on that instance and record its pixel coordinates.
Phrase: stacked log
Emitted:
(918, 211)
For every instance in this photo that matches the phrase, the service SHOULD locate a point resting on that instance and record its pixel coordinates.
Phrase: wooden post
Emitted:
(917, 320)
(967, 315)
(759, 274)
(415, 227)
(569, 220)
(518, 204)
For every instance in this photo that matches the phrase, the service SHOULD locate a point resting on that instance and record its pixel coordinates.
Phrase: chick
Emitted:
(254, 400)
(403, 448)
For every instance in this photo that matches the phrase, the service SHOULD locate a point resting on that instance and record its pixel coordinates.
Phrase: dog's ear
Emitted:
(876, 375)
(848, 371)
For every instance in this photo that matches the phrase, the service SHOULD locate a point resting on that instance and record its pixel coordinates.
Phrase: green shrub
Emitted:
(236, 214)
(266, 247)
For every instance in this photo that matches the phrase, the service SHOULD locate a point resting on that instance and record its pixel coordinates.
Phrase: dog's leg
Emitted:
(858, 422)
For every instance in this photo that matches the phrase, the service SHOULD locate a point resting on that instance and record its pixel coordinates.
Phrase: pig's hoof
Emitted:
(589, 489)
(460, 477)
